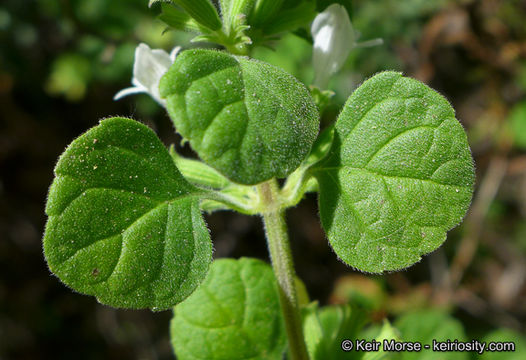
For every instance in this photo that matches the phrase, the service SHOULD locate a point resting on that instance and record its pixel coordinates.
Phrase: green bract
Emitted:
(203, 11)
(124, 225)
(399, 174)
(235, 314)
(249, 120)
(232, 10)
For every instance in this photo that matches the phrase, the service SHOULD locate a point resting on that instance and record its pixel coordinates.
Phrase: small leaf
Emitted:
(233, 10)
(425, 326)
(235, 314)
(124, 225)
(517, 120)
(385, 332)
(290, 19)
(504, 336)
(241, 198)
(264, 10)
(178, 19)
(198, 173)
(301, 181)
(247, 119)
(327, 327)
(322, 98)
(203, 11)
(398, 177)
(225, 7)
(321, 146)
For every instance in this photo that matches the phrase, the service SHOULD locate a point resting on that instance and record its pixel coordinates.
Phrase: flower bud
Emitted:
(148, 68)
(334, 38)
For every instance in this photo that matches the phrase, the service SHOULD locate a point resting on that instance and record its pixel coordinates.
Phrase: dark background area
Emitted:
(61, 62)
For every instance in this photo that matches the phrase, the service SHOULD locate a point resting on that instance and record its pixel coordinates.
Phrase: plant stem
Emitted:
(281, 257)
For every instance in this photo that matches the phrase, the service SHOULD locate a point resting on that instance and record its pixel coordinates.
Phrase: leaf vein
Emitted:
(390, 140)
(209, 74)
(363, 228)
(376, 173)
(384, 99)
(120, 232)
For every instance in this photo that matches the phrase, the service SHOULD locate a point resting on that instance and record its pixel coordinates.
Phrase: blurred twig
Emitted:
(479, 307)
(474, 222)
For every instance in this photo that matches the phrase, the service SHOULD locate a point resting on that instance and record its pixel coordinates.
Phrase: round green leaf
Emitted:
(398, 177)
(235, 314)
(249, 120)
(124, 225)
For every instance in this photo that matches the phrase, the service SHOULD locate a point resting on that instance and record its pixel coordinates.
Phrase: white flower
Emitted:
(148, 68)
(334, 38)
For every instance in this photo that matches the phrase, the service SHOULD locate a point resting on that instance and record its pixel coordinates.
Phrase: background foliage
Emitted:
(61, 62)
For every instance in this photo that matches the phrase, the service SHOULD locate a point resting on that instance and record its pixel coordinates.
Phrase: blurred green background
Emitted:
(62, 61)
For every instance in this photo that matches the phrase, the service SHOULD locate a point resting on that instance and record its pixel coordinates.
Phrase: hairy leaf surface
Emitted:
(232, 11)
(399, 175)
(124, 225)
(234, 314)
(249, 120)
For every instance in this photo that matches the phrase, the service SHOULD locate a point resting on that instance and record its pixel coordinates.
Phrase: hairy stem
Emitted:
(281, 256)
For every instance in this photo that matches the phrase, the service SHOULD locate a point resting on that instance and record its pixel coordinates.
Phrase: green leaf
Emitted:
(249, 120)
(263, 10)
(322, 98)
(235, 314)
(517, 120)
(124, 225)
(327, 327)
(385, 332)
(178, 19)
(321, 146)
(504, 336)
(198, 173)
(203, 11)
(399, 175)
(241, 198)
(425, 326)
(225, 7)
(232, 10)
(291, 19)
(301, 180)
